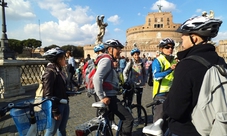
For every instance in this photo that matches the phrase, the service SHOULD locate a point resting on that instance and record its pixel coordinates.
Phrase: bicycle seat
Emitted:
(98, 105)
(155, 128)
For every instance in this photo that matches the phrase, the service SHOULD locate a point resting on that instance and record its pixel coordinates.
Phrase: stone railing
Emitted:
(18, 76)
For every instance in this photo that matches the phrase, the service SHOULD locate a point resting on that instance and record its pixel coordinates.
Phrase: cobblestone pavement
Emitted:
(80, 111)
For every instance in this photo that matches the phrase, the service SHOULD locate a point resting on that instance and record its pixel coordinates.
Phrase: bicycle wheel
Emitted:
(94, 131)
(139, 121)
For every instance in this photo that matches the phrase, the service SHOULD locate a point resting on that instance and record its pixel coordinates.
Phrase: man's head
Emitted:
(198, 30)
(166, 46)
(68, 54)
(113, 47)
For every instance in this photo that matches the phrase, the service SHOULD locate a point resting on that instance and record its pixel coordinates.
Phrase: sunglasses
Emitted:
(167, 47)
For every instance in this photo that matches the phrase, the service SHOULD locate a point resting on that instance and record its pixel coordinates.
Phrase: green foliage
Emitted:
(77, 51)
(32, 43)
(16, 45)
(49, 47)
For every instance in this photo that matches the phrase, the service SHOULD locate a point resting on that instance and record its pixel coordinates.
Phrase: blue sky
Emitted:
(64, 22)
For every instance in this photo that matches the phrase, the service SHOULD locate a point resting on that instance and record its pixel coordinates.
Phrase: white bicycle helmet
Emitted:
(113, 43)
(166, 41)
(203, 26)
(53, 54)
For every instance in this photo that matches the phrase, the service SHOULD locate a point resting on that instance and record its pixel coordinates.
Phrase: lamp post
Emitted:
(5, 51)
(126, 48)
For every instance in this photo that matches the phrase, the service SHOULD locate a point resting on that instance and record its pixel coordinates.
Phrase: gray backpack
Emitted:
(209, 116)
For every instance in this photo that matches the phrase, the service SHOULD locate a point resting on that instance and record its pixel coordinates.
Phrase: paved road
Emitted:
(80, 111)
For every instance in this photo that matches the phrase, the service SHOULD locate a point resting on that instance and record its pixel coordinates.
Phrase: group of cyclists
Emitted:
(177, 83)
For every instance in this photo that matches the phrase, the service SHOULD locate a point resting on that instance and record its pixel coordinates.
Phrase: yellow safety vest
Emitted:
(163, 85)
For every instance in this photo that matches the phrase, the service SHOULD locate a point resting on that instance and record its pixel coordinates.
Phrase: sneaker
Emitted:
(114, 126)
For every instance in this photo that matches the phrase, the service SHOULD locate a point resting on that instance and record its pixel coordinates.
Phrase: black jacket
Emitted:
(184, 91)
(54, 84)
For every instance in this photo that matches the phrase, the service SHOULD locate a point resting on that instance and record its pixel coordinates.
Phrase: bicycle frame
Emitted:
(31, 106)
(101, 123)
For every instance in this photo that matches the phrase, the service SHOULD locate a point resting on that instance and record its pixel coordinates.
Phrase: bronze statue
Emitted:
(102, 28)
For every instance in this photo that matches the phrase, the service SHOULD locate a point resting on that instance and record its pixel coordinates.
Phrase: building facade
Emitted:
(158, 25)
(221, 49)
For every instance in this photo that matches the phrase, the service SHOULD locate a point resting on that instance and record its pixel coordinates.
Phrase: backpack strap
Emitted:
(104, 56)
(201, 60)
(208, 65)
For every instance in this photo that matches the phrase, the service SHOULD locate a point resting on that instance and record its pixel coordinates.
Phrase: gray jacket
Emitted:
(138, 74)
(105, 71)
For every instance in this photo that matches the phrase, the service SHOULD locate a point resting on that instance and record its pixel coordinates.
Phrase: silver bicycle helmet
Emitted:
(203, 26)
(53, 54)
(113, 43)
(166, 41)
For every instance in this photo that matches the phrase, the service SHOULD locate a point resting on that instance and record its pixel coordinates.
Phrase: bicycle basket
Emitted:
(21, 117)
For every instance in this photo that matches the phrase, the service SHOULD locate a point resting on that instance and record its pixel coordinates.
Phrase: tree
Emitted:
(32, 43)
(77, 51)
(49, 47)
(16, 45)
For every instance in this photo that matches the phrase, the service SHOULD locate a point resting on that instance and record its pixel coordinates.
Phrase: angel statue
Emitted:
(211, 15)
(102, 28)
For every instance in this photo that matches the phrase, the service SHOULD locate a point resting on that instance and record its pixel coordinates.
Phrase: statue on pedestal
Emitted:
(211, 15)
(102, 27)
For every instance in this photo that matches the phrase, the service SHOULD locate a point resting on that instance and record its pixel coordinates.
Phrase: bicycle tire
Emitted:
(94, 130)
(139, 123)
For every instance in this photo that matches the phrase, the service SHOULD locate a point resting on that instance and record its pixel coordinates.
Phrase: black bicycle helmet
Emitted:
(203, 26)
(53, 54)
(166, 41)
(113, 43)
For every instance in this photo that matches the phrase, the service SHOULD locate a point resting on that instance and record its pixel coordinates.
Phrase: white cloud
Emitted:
(199, 10)
(72, 25)
(117, 30)
(114, 19)
(220, 36)
(166, 6)
(19, 10)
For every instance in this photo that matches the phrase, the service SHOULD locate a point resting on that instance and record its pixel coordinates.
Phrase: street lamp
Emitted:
(126, 48)
(5, 51)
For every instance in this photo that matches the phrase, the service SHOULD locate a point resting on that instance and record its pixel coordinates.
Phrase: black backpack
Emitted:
(150, 77)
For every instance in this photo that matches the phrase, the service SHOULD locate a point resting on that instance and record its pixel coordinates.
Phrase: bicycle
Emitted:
(100, 125)
(154, 129)
(33, 116)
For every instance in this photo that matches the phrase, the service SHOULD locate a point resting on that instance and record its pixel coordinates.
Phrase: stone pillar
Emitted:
(10, 79)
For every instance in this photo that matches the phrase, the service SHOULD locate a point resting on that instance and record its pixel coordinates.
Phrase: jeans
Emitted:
(138, 93)
(168, 133)
(71, 82)
(119, 110)
(59, 126)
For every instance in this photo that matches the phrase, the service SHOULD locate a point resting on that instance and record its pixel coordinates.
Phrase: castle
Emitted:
(158, 25)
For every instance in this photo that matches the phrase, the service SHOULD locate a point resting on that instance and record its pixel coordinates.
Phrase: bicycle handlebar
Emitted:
(30, 105)
(155, 102)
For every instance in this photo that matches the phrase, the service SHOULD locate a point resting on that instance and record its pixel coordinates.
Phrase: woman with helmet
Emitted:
(162, 69)
(135, 73)
(188, 76)
(54, 84)
(105, 73)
